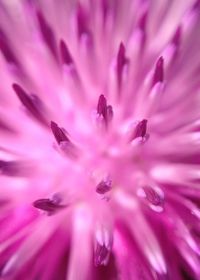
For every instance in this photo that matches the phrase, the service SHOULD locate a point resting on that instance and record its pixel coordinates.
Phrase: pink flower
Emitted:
(99, 146)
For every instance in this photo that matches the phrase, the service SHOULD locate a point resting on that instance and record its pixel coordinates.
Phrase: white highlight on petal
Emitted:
(30, 246)
(103, 235)
(148, 243)
(142, 233)
(125, 200)
(196, 212)
(80, 256)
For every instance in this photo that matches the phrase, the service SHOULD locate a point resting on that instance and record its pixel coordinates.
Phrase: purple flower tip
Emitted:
(30, 102)
(102, 105)
(82, 21)
(159, 71)
(104, 186)
(58, 133)
(10, 168)
(6, 49)
(121, 62)
(47, 32)
(101, 255)
(140, 130)
(153, 197)
(177, 36)
(104, 111)
(65, 54)
(196, 5)
(143, 21)
(50, 206)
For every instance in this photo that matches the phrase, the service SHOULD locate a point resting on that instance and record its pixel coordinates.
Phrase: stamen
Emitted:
(101, 255)
(49, 205)
(196, 5)
(6, 50)
(177, 36)
(140, 130)
(109, 113)
(158, 72)
(102, 106)
(82, 21)
(10, 168)
(143, 21)
(104, 186)
(121, 62)
(152, 196)
(65, 54)
(59, 133)
(103, 245)
(104, 111)
(47, 33)
(65, 145)
(104, 6)
(30, 103)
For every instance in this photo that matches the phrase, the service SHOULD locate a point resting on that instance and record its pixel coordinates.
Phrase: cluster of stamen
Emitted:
(105, 114)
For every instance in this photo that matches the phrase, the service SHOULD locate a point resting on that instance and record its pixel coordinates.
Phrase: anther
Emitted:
(159, 71)
(104, 111)
(121, 62)
(65, 54)
(104, 186)
(47, 33)
(30, 102)
(59, 133)
(101, 255)
(140, 130)
(49, 205)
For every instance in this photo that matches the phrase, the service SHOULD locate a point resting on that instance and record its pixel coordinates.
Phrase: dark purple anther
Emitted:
(6, 49)
(143, 21)
(103, 110)
(104, 186)
(30, 103)
(153, 197)
(47, 33)
(82, 21)
(109, 113)
(159, 71)
(105, 8)
(6, 127)
(10, 168)
(101, 255)
(121, 61)
(58, 133)
(140, 130)
(47, 205)
(177, 36)
(102, 105)
(196, 5)
(65, 54)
